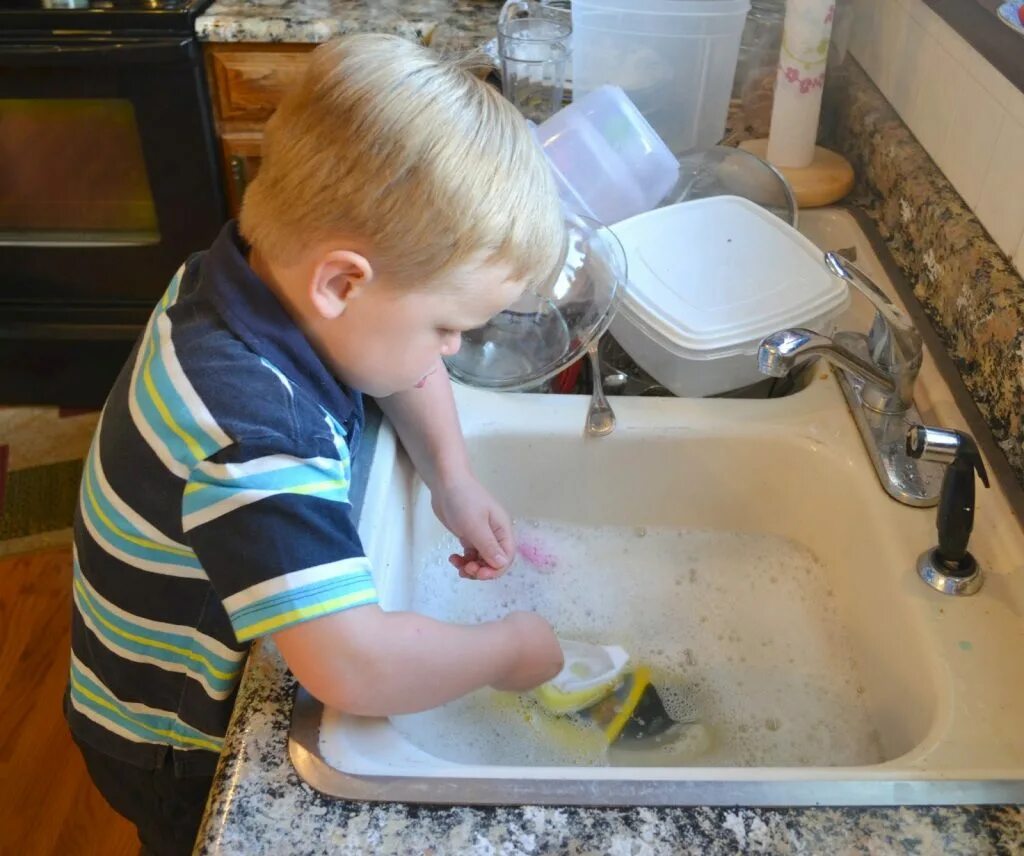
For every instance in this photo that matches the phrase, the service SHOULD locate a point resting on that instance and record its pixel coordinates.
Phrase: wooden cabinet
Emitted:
(247, 82)
(240, 151)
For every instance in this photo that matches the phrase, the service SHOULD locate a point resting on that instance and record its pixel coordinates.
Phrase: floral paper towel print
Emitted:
(800, 82)
(805, 41)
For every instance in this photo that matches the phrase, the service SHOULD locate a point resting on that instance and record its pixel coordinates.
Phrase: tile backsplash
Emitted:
(968, 117)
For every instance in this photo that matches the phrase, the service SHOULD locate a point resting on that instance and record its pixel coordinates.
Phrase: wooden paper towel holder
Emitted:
(827, 179)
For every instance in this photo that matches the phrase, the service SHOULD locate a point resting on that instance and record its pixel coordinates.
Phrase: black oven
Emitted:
(109, 178)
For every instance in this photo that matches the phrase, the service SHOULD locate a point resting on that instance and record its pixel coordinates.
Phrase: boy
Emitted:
(401, 201)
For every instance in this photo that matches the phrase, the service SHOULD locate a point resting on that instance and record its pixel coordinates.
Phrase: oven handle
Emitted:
(148, 51)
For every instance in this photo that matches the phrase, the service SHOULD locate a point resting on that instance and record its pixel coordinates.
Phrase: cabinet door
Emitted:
(249, 80)
(241, 163)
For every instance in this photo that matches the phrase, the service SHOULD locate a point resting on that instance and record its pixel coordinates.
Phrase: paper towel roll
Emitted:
(800, 81)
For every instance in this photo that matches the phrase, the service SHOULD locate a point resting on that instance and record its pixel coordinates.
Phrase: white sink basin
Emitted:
(743, 549)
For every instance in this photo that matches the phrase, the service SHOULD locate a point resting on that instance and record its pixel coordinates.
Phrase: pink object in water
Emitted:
(537, 556)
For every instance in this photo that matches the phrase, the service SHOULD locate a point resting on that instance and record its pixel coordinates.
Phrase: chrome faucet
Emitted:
(877, 374)
(783, 351)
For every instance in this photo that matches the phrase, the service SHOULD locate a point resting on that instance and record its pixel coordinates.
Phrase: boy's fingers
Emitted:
(471, 569)
(467, 568)
(481, 564)
(488, 549)
(501, 526)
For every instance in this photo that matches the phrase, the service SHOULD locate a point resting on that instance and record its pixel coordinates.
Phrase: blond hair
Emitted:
(383, 140)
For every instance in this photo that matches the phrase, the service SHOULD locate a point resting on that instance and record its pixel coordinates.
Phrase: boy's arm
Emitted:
(428, 426)
(373, 663)
(270, 524)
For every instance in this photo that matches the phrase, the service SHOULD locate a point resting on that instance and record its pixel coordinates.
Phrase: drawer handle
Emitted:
(239, 175)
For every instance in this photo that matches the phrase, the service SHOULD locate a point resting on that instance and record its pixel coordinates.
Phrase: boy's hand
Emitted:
(480, 523)
(538, 656)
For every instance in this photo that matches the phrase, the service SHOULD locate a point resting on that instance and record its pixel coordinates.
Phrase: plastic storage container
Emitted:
(607, 159)
(676, 60)
(708, 280)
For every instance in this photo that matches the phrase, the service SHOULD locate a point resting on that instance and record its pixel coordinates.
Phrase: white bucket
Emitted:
(675, 59)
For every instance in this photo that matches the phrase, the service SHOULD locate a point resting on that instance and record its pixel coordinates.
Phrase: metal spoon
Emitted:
(600, 416)
(616, 381)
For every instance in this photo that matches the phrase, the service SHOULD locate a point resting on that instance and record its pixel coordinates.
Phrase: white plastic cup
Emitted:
(676, 60)
(608, 161)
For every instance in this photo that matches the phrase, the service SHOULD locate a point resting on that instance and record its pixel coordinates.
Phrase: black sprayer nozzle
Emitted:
(955, 518)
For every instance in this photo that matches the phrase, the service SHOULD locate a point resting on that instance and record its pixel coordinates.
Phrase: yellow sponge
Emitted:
(616, 712)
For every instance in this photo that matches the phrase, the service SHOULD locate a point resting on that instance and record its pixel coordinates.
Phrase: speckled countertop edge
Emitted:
(260, 806)
(449, 25)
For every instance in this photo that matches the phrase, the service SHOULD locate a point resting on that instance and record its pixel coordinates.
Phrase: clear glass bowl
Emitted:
(724, 170)
(550, 328)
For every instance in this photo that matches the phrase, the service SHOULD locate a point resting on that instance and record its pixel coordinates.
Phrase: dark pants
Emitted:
(166, 808)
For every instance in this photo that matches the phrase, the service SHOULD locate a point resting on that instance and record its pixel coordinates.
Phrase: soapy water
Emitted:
(740, 631)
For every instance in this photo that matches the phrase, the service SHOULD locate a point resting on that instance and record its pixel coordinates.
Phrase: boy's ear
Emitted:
(340, 276)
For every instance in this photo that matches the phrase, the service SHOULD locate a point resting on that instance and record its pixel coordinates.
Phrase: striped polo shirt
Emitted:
(214, 509)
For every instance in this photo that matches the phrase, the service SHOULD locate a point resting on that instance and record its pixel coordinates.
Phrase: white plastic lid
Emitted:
(712, 277)
(588, 666)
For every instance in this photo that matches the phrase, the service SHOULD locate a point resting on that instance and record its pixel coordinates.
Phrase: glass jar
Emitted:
(760, 45)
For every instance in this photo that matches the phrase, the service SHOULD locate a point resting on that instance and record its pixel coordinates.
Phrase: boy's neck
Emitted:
(276, 280)
(283, 288)
(263, 269)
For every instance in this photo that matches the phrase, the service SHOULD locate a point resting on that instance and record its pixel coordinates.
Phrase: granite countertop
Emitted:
(449, 25)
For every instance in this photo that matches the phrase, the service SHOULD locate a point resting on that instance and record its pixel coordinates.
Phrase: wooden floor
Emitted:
(47, 802)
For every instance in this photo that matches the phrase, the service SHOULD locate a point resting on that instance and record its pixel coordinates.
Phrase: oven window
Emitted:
(72, 174)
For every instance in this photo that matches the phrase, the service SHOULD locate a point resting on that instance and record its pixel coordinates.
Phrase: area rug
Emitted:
(45, 452)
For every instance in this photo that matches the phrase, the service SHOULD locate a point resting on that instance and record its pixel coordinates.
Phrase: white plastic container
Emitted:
(675, 59)
(708, 280)
(607, 159)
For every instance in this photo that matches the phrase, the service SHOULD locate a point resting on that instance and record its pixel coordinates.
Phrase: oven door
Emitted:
(108, 171)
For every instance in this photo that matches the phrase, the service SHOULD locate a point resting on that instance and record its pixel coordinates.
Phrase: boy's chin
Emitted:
(384, 390)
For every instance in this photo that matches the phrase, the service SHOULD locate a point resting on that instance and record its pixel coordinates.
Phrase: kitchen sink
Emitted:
(745, 551)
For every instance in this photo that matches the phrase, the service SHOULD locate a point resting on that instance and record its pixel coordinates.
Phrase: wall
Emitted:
(968, 117)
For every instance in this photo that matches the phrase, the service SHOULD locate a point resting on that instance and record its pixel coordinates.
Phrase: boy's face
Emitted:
(390, 339)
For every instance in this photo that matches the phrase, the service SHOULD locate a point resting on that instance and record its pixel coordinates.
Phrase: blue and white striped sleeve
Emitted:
(271, 524)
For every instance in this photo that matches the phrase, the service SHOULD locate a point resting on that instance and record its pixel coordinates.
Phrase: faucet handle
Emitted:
(894, 342)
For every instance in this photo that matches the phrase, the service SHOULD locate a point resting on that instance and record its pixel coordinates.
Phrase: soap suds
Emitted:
(741, 632)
